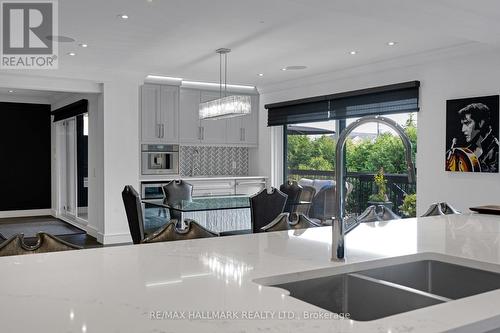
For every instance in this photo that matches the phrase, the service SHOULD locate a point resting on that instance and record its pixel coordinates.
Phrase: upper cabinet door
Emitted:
(190, 130)
(150, 115)
(244, 129)
(169, 123)
(251, 123)
(212, 130)
(159, 113)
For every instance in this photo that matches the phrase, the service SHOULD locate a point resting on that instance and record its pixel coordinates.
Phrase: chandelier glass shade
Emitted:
(225, 106)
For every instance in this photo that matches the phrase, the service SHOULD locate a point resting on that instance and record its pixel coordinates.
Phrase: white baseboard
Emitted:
(114, 238)
(25, 213)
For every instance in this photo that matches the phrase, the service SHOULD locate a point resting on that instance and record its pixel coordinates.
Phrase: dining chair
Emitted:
(44, 243)
(440, 208)
(265, 207)
(324, 205)
(133, 209)
(170, 232)
(286, 221)
(307, 195)
(175, 192)
(293, 191)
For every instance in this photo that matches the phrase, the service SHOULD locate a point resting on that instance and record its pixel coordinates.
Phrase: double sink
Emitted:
(376, 293)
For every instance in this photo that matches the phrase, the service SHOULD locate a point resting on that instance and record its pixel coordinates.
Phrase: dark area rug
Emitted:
(30, 226)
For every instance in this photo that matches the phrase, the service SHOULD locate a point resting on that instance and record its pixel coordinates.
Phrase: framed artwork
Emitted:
(472, 134)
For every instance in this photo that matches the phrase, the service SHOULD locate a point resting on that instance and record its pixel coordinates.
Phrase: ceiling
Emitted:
(178, 37)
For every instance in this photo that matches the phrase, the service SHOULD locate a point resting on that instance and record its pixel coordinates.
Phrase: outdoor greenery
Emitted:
(363, 155)
(381, 183)
(409, 206)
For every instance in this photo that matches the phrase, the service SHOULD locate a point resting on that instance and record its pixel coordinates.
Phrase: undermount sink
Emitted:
(376, 293)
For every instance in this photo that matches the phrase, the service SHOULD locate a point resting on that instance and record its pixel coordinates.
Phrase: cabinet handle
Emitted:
(158, 131)
(162, 130)
(243, 134)
(202, 132)
(199, 132)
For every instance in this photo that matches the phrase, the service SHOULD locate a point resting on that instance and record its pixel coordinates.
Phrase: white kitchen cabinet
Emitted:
(212, 187)
(212, 130)
(244, 129)
(241, 130)
(190, 131)
(249, 186)
(159, 113)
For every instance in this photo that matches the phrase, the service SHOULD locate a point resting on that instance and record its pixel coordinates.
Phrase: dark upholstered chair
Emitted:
(293, 191)
(45, 243)
(175, 192)
(323, 206)
(286, 221)
(440, 208)
(133, 208)
(170, 232)
(307, 195)
(265, 207)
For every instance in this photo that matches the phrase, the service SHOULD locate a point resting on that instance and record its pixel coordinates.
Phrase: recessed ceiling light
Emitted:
(353, 52)
(11, 91)
(71, 54)
(391, 43)
(123, 16)
(260, 74)
(83, 45)
(294, 68)
(283, 69)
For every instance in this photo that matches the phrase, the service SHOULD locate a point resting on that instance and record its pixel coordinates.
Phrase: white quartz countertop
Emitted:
(117, 289)
(165, 178)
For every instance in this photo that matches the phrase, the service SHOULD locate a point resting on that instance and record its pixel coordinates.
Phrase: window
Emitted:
(311, 127)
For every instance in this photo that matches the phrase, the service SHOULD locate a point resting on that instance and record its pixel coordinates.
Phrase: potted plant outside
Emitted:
(380, 198)
(409, 206)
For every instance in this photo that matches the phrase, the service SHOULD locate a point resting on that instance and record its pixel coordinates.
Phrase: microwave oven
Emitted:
(160, 159)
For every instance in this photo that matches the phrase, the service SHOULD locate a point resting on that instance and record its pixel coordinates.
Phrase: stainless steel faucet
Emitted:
(338, 222)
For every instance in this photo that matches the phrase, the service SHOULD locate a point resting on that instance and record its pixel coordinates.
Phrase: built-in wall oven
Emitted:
(160, 159)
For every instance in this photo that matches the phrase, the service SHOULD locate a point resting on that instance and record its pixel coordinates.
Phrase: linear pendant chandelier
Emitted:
(225, 106)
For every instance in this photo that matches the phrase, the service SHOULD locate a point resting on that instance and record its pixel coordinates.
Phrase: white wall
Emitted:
(451, 77)
(121, 153)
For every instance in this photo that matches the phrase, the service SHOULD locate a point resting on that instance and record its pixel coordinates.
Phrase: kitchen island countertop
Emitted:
(208, 285)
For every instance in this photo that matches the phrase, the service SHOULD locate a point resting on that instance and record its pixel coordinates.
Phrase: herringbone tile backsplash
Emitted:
(213, 161)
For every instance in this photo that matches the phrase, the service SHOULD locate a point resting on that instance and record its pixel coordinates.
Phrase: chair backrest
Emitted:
(265, 207)
(293, 191)
(45, 243)
(177, 190)
(169, 232)
(133, 209)
(323, 206)
(308, 193)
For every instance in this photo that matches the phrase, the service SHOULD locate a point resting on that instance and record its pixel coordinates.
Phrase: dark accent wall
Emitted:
(25, 150)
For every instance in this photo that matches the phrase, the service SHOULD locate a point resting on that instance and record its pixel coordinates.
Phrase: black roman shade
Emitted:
(71, 110)
(394, 98)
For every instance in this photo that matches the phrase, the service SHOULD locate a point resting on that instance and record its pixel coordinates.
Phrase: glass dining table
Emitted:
(227, 213)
